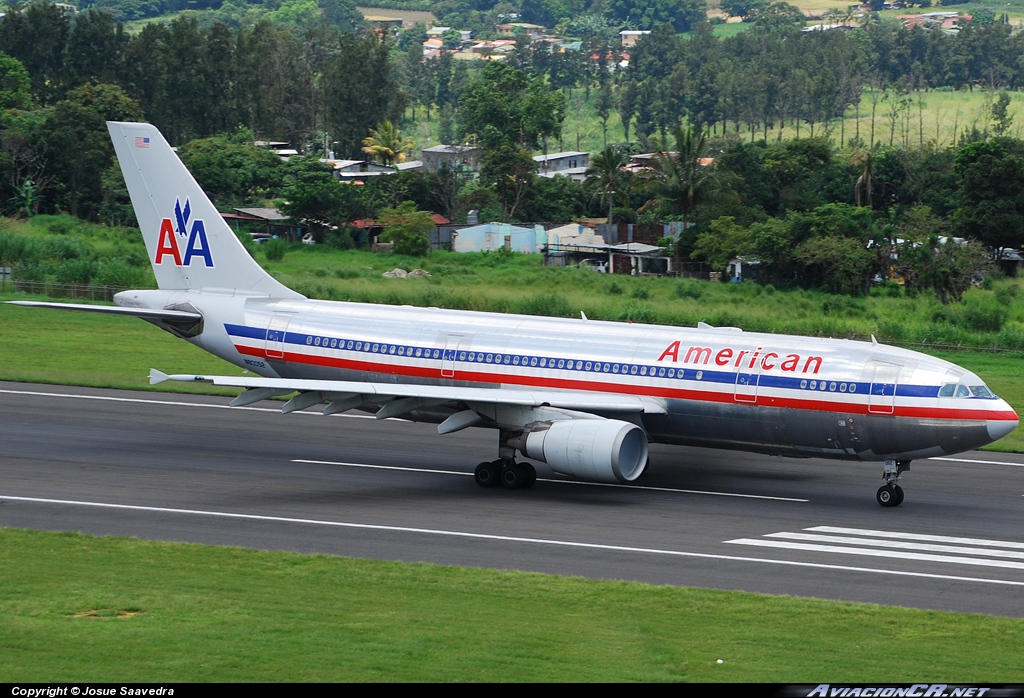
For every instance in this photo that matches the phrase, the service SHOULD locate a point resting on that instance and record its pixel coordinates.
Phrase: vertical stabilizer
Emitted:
(190, 246)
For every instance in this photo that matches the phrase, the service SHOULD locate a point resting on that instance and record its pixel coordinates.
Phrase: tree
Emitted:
(990, 179)
(779, 16)
(387, 143)
(683, 15)
(745, 9)
(407, 228)
(509, 170)
(233, 168)
(606, 178)
(504, 108)
(722, 242)
(865, 161)
(687, 178)
(15, 85)
(320, 204)
(1001, 117)
(77, 143)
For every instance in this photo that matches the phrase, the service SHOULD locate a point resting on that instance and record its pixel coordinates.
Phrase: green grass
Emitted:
(50, 346)
(79, 608)
(523, 285)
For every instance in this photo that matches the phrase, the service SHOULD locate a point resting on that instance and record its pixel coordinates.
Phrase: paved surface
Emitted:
(187, 468)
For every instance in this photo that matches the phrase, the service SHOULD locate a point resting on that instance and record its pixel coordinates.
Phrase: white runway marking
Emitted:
(173, 403)
(567, 482)
(918, 536)
(896, 544)
(981, 462)
(508, 539)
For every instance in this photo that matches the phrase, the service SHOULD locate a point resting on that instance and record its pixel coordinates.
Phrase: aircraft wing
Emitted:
(399, 398)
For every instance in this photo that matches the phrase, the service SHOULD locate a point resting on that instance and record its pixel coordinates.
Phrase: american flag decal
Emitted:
(141, 141)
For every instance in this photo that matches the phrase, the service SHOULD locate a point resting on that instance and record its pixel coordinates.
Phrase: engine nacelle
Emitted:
(600, 450)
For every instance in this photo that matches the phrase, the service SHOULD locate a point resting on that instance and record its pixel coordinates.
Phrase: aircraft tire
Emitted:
(514, 476)
(531, 474)
(899, 494)
(887, 496)
(486, 474)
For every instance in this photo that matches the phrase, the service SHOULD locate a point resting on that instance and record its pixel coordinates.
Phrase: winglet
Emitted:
(156, 377)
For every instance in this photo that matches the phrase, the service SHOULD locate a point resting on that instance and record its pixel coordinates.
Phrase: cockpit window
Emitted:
(960, 390)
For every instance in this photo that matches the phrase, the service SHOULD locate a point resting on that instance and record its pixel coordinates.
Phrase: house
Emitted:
(570, 163)
(464, 158)
(358, 170)
(512, 28)
(631, 36)
(490, 237)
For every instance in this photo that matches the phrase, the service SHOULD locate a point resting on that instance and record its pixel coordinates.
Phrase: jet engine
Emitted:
(600, 450)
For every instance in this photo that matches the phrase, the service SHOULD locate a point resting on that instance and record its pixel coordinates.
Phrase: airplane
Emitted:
(585, 397)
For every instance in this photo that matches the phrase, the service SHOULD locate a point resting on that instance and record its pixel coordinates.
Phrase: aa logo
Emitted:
(194, 238)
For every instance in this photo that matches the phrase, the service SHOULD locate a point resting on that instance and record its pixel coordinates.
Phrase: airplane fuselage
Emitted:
(718, 387)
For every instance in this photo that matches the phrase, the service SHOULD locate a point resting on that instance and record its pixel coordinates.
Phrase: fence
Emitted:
(90, 292)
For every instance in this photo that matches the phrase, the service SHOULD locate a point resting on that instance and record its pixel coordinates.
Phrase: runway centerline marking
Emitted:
(982, 462)
(566, 482)
(509, 539)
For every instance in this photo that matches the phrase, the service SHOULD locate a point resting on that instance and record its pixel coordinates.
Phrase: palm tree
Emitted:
(865, 160)
(606, 177)
(687, 178)
(683, 180)
(387, 143)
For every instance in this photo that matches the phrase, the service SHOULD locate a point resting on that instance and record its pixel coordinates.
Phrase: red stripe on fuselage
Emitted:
(626, 389)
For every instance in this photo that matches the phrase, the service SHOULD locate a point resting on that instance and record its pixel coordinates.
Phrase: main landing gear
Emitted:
(890, 494)
(507, 473)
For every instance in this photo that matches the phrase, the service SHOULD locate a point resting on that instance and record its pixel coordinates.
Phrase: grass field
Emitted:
(78, 608)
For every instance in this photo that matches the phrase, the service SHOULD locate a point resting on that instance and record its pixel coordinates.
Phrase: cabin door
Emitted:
(276, 332)
(451, 352)
(884, 379)
(746, 385)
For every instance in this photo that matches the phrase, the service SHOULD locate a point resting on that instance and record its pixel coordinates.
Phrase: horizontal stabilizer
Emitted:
(144, 313)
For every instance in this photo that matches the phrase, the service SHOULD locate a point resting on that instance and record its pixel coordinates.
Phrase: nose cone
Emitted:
(998, 428)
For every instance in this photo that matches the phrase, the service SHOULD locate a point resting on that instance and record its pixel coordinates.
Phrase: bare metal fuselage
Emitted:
(724, 388)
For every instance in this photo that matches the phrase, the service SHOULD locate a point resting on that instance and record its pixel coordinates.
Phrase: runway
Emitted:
(187, 468)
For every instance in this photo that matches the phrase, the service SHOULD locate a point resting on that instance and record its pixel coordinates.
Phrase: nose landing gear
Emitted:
(891, 494)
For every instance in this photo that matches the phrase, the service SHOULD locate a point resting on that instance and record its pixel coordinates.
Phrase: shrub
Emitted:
(274, 249)
(689, 288)
(76, 271)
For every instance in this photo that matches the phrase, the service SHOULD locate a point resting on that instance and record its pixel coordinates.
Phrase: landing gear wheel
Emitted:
(486, 474)
(889, 496)
(514, 476)
(531, 474)
(899, 494)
